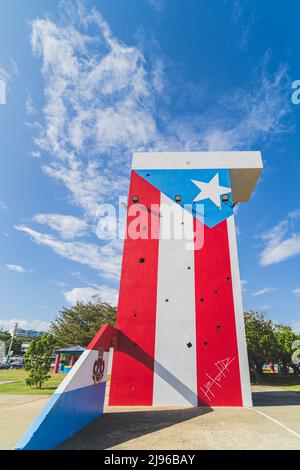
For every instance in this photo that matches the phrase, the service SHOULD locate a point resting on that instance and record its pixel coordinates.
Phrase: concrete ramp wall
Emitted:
(77, 401)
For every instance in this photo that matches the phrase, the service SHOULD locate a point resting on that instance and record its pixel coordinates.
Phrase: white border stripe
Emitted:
(175, 375)
(278, 423)
(239, 314)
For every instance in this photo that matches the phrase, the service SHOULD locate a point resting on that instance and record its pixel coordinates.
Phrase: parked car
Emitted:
(16, 365)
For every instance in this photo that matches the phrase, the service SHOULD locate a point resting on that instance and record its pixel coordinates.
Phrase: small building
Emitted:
(21, 333)
(72, 353)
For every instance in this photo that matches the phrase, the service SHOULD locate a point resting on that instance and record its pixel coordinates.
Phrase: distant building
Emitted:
(20, 333)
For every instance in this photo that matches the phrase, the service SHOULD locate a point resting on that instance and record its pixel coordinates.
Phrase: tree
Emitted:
(285, 337)
(261, 342)
(37, 359)
(80, 323)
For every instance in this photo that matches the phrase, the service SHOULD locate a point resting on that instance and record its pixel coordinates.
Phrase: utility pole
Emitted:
(11, 341)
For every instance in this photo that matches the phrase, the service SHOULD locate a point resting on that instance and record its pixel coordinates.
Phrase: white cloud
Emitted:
(4, 75)
(99, 102)
(61, 284)
(5, 79)
(106, 258)
(243, 19)
(38, 325)
(3, 205)
(104, 101)
(86, 184)
(297, 291)
(284, 250)
(14, 67)
(29, 106)
(76, 274)
(36, 154)
(15, 267)
(265, 290)
(281, 241)
(243, 285)
(157, 5)
(85, 294)
(67, 226)
(264, 308)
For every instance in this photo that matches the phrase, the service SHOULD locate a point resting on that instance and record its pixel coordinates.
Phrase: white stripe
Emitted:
(239, 314)
(175, 378)
(279, 423)
(81, 374)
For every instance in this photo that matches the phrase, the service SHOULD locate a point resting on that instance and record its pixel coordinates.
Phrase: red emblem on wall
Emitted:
(98, 368)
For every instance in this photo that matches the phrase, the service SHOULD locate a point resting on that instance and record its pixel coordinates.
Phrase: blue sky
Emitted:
(88, 83)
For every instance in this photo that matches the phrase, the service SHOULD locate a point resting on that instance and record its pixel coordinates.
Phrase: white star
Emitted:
(211, 190)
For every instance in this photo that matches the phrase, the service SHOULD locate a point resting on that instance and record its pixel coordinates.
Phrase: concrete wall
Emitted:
(182, 339)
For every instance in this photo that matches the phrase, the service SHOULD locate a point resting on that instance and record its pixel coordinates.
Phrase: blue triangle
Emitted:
(179, 183)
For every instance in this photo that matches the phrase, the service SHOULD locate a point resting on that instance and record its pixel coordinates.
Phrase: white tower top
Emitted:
(245, 167)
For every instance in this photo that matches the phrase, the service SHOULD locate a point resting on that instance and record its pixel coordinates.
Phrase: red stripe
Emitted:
(215, 320)
(133, 362)
(104, 338)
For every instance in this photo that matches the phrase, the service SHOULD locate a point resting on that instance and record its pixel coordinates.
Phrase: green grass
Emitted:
(20, 387)
(285, 382)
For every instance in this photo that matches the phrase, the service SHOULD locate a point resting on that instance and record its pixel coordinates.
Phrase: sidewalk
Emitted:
(16, 413)
(273, 423)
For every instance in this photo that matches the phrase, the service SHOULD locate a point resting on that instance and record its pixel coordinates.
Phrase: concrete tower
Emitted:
(180, 308)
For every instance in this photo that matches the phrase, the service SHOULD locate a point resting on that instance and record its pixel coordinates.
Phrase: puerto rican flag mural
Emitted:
(180, 315)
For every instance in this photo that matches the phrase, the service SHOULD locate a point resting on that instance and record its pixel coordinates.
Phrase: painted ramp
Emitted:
(77, 401)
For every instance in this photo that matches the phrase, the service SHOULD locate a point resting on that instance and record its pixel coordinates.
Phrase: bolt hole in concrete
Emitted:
(189, 345)
(166, 300)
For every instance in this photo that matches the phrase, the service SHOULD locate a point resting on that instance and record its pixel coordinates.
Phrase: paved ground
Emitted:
(16, 414)
(273, 423)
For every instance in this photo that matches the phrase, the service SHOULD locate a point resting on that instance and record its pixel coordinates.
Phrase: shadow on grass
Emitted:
(115, 428)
